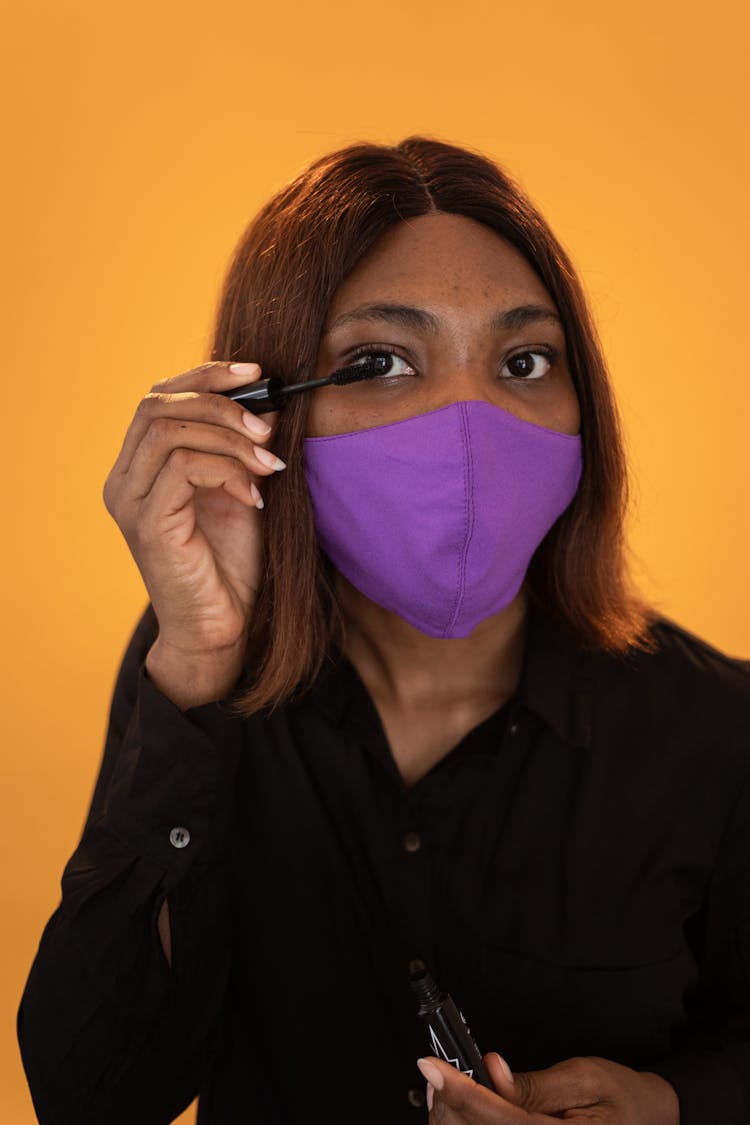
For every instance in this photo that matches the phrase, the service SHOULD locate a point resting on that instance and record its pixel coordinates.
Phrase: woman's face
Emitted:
(450, 300)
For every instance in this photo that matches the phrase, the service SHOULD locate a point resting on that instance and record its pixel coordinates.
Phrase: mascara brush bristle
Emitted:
(379, 364)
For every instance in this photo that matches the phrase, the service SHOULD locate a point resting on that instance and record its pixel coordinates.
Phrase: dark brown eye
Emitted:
(382, 363)
(528, 365)
(385, 362)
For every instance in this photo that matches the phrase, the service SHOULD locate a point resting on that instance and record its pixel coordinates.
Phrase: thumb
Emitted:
(502, 1077)
(566, 1085)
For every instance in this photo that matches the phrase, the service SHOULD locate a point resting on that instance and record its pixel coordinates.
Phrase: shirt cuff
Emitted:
(171, 789)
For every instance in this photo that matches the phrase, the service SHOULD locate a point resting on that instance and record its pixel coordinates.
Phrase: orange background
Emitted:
(139, 140)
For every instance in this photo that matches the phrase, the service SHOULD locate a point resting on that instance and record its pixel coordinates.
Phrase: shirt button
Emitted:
(412, 842)
(513, 728)
(416, 1098)
(179, 837)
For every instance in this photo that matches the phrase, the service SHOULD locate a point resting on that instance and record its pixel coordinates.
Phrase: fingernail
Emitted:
(505, 1068)
(255, 424)
(430, 1095)
(431, 1073)
(256, 497)
(267, 458)
(244, 368)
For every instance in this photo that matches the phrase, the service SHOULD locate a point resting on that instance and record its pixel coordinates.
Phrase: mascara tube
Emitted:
(448, 1033)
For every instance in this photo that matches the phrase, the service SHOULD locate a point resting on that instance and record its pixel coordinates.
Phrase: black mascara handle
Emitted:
(448, 1034)
(260, 397)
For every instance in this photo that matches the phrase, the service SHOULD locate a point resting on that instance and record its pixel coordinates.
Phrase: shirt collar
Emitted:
(333, 689)
(555, 680)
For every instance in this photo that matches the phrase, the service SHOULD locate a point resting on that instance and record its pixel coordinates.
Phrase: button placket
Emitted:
(411, 887)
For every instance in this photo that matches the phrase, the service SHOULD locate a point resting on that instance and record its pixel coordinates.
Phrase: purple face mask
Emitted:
(437, 517)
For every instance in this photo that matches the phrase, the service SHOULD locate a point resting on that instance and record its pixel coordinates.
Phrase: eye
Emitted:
(529, 365)
(398, 363)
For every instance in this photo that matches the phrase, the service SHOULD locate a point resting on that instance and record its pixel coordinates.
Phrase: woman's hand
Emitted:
(580, 1090)
(183, 492)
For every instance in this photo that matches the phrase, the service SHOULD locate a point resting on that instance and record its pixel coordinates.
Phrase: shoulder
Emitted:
(682, 690)
(682, 656)
(691, 654)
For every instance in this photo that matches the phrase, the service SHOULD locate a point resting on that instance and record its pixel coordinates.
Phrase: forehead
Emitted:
(440, 256)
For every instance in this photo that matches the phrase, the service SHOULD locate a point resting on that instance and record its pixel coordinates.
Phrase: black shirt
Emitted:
(576, 873)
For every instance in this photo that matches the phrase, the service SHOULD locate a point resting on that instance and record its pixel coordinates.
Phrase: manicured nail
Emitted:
(256, 497)
(267, 458)
(504, 1066)
(430, 1095)
(255, 424)
(244, 368)
(431, 1073)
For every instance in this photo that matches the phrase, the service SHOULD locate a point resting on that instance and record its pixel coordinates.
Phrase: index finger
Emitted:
(194, 396)
(212, 378)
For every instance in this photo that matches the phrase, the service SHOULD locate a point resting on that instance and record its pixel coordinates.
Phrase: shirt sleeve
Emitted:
(711, 1074)
(109, 1031)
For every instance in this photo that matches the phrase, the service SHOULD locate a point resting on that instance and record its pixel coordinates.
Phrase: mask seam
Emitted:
(468, 518)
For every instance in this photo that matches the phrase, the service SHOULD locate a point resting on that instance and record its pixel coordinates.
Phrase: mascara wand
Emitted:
(272, 394)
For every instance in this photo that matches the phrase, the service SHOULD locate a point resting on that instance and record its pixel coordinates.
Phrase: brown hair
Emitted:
(282, 277)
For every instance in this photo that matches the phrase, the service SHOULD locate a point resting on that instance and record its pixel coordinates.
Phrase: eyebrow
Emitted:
(409, 316)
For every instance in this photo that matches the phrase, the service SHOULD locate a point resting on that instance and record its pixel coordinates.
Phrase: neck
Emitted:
(405, 668)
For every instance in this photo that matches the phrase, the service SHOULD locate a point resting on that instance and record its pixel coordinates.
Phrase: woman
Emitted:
(394, 699)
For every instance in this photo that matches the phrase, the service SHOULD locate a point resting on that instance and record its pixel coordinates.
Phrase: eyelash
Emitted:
(373, 349)
(546, 350)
